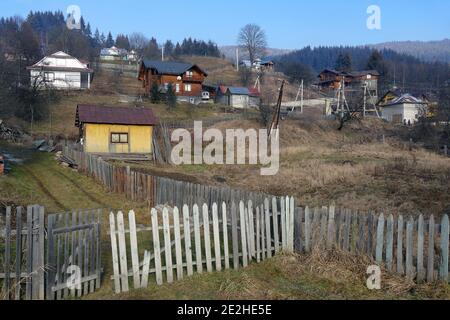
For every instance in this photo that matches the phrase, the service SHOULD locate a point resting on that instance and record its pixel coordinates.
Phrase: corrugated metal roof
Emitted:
(114, 115)
(239, 91)
(170, 68)
(405, 99)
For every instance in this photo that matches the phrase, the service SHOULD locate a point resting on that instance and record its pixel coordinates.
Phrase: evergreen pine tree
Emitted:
(109, 41)
(171, 98)
(155, 95)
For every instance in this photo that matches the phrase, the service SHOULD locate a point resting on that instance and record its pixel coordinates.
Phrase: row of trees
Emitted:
(149, 48)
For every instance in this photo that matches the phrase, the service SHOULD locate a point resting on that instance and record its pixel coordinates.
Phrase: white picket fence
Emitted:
(198, 238)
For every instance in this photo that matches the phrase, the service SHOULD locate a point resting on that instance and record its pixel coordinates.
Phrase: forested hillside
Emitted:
(426, 50)
(397, 69)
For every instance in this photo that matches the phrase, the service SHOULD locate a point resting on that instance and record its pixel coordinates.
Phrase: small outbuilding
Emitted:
(238, 97)
(404, 109)
(115, 130)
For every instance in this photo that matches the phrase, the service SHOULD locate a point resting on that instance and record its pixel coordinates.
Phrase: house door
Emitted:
(85, 81)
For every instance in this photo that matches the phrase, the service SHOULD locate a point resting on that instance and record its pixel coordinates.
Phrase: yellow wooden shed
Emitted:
(115, 130)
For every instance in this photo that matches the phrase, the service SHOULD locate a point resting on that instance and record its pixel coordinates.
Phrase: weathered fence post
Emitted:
(443, 273)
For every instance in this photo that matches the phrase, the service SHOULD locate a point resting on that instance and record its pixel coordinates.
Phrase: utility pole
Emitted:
(237, 59)
(276, 117)
(365, 100)
(302, 97)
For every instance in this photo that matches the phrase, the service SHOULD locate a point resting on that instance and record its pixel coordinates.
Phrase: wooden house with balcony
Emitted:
(186, 79)
(330, 79)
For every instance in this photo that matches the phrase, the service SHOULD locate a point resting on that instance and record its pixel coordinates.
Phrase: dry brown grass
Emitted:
(331, 275)
(352, 168)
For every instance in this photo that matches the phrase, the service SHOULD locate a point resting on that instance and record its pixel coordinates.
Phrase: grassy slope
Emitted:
(286, 278)
(320, 165)
(41, 180)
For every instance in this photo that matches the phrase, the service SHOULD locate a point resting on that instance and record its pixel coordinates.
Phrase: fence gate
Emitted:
(22, 236)
(53, 261)
(73, 254)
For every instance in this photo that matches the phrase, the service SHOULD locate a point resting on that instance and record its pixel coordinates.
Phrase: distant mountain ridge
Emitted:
(430, 51)
(230, 52)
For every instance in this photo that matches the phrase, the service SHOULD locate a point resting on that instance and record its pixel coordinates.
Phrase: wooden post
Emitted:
(420, 246)
(18, 251)
(187, 240)
(380, 240)
(443, 269)
(430, 260)
(400, 228)
(156, 247)
(235, 238)
(6, 282)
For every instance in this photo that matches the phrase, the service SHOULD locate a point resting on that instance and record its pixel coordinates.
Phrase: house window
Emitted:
(119, 137)
(189, 74)
(177, 88)
(49, 77)
(187, 88)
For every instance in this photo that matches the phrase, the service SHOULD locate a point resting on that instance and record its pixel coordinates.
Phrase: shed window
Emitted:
(49, 77)
(119, 137)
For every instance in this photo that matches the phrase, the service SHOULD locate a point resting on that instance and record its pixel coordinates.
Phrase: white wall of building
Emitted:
(57, 79)
(60, 71)
(239, 101)
(406, 112)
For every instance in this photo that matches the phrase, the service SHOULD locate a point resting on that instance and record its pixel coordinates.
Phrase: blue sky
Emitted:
(288, 23)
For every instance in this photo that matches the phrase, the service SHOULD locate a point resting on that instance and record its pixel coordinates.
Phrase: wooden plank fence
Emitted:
(39, 254)
(197, 239)
(415, 247)
(141, 187)
(73, 254)
(22, 266)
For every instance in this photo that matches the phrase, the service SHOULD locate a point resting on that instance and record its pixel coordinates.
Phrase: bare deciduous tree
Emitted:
(138, 42)
(252, 38)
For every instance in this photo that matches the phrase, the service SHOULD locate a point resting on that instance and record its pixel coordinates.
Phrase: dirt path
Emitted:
(39, 179)
(44, 189)
(80, 188)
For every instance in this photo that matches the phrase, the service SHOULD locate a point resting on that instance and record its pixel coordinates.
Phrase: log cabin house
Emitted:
(115, 130)
(187, 79)
(330, 79)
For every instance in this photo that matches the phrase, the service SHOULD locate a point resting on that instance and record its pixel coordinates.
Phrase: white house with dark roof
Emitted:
(62, 72)
(404, 109)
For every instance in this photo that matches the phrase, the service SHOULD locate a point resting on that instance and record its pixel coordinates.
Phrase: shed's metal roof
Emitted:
(114, 115)
(239, 91)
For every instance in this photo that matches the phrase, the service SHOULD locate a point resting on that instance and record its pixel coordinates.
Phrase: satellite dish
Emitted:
(179, 78)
